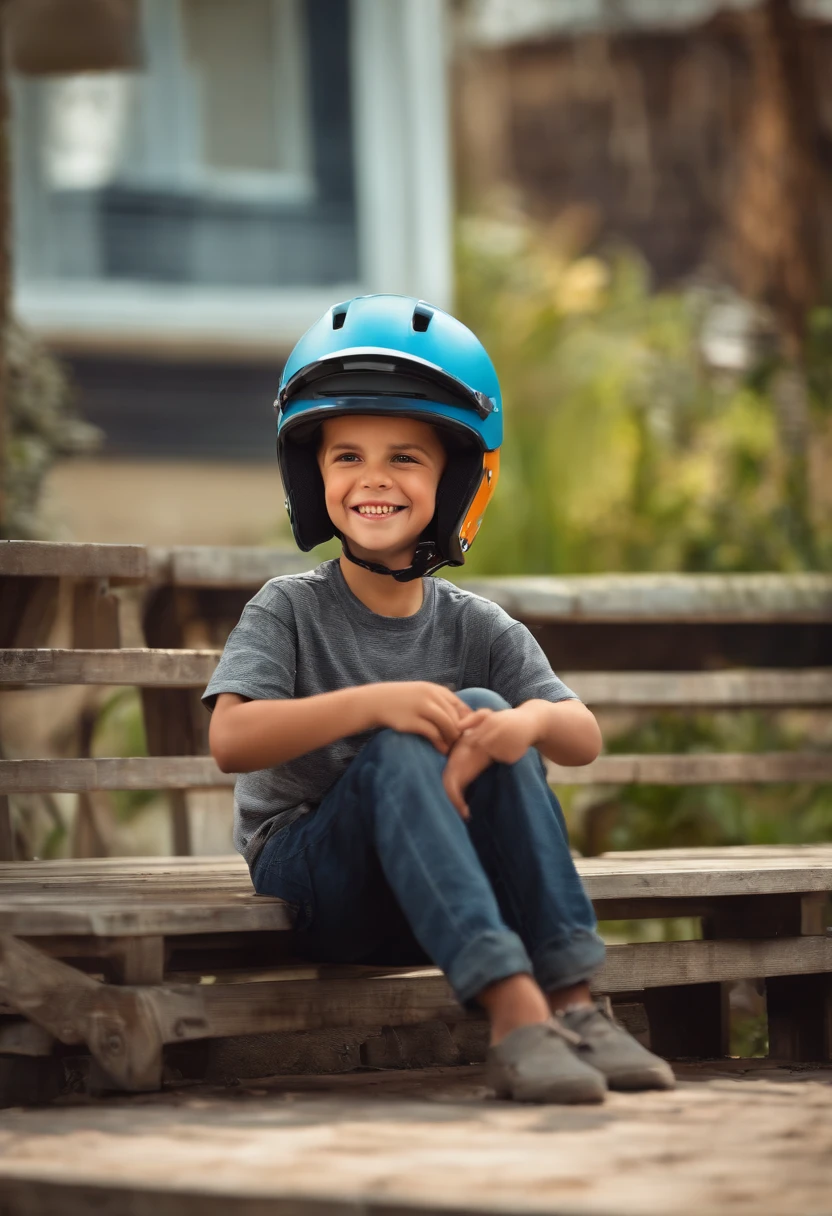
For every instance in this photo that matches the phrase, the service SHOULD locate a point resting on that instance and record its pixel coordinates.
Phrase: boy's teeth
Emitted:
(377, 510)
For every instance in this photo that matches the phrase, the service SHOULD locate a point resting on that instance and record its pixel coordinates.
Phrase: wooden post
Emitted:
(687, 1021)
(170, 715)
(95, 626)
(800, 1006)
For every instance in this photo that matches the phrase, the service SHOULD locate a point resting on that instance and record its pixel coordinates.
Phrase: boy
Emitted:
(387, 722)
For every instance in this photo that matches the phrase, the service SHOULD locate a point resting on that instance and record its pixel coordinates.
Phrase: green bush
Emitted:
(622, 450)
(41, 427)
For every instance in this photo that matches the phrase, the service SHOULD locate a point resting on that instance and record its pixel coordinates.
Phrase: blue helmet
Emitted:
(385, 354)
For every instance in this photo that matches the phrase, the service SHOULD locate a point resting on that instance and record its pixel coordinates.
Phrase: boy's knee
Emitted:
(483, 698)
(395, 746)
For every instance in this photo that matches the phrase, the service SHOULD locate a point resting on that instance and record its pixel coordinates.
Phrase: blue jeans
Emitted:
(385, 871)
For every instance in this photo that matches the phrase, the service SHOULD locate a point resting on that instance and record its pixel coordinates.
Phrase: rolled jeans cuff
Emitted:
(490, 957)
(565, 961)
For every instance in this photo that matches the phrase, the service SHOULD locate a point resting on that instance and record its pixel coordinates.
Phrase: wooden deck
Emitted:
(734, 1139)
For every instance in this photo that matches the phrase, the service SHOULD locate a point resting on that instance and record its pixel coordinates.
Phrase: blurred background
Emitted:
(628, 200)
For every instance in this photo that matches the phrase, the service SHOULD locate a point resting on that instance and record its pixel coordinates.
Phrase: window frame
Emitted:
(400, 147)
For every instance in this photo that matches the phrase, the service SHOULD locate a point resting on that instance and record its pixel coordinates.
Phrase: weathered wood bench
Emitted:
(155, 928)
(149, 924)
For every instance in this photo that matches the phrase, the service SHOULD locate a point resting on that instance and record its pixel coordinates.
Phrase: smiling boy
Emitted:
(388, 725)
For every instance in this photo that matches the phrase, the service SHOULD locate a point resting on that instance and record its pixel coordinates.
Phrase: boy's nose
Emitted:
(376, 477)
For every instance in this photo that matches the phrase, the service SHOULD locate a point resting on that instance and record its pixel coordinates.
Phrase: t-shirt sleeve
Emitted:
(520, 671)
(258, 661)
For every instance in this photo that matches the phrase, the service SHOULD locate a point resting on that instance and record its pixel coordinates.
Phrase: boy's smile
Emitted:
(380, 476)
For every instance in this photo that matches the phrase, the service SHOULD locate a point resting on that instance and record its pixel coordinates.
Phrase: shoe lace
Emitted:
(580, 1014)
(557, 1027)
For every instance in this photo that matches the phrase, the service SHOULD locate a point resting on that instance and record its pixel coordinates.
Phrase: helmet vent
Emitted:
(339, 316)
(421, 318)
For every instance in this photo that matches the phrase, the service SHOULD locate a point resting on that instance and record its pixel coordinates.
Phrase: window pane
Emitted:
(232, 52)
(85, 126)
(206, 167)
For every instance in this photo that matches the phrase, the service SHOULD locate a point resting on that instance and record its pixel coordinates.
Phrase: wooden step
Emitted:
(180, 896)
(201, 772)
(624, 690)
(58, 559)
(143, 668)
(695, 598)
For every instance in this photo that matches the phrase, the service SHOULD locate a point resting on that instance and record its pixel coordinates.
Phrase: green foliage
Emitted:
(622, 451)
(655, 817)
(42, 426)
(119, 731)
(625, 452)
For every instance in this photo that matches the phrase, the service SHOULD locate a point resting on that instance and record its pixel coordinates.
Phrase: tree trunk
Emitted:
(776, 213)
(5, 261)
(776, 228)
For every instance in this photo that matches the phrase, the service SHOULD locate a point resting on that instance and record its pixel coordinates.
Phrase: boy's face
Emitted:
(371, 462)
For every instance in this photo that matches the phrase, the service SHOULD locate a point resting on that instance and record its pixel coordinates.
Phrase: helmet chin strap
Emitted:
(423, 562)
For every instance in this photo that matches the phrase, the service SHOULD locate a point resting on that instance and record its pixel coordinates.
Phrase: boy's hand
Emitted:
(504, 734)
(465, 764)
(419, 707)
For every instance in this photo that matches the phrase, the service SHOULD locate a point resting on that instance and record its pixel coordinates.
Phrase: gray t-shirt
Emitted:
(304, 634)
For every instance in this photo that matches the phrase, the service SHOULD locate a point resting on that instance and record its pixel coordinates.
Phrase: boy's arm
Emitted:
(249, 735)
(565, 731)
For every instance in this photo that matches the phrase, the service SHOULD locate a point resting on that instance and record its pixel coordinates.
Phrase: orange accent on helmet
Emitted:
(473, 519)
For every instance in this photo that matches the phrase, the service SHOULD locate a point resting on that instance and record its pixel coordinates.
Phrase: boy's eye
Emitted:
(349, 457)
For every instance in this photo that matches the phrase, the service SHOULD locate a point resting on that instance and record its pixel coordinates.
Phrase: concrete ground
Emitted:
(736, 1137)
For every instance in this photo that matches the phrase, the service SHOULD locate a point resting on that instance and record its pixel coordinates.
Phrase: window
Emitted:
(226, 162)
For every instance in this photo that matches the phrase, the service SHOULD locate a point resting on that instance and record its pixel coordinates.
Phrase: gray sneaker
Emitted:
(607, 1046)
(539, 1063)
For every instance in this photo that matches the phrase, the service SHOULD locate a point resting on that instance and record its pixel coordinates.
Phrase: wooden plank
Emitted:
(65, 559)
(96, 620)
(230, 566)
(140, 960)
(661, 964)
(390, 997)
(7, 841)
(700, 689)
(140, 667)
(201, 772)
(169, 668)
(800, 1017)
(686, 1021)
(117, 1024)
(131, 773)
(698, 769)
(175, 721)
(396, 996)
(28, 609)
(759, 915)
(27, 917)
(22, 1038)
(662, 597)
(165, 896)
(429, 1143)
